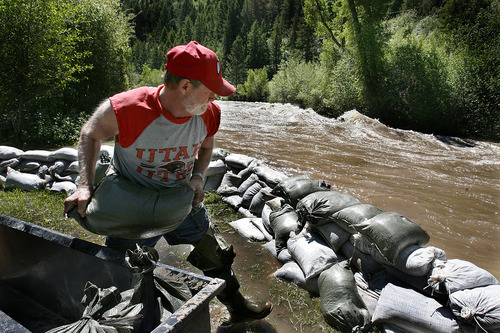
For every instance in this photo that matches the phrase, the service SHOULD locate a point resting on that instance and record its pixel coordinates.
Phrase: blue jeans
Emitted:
(191, 230)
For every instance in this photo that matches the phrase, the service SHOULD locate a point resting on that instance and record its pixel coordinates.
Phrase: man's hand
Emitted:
(80, 198)
(196, 184)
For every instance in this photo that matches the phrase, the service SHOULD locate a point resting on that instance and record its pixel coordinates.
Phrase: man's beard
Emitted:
(193, 108)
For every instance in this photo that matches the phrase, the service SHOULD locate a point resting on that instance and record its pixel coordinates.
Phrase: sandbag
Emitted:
(455, 274)
(417, 261)
(284, 256)
(283, 222)
(413, 312)
(73, 167)
(6, 152)
(272, 205)
(391, 233)
(121, 208)
(215, 168)
(23, 181)
(259, 200)
(248, 171)
(341, 304)
(317, 208)
(311, 253)
(478, 306)
(292, 272)
(295, 188)
(334, 235)
(67, 154)
(270, 176)
(257, 221)
(247, 183)
(229, 185)
(361, 261)
(233, 200)
(219, 154)
(66, 187)
(250, 193)
(248, 230)
(28, 166)
(36, 155)
(238, 161)
(348, 217)
(12, 162)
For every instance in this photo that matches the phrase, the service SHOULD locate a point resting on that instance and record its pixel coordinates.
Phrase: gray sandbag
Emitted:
(12, 162)
(7, 152)
(2, 180)
(391, 233)
(250, 193)
(348, 217)
(260, 225)
(58, 167)
(417, 261)
(65, 187)
(67, 154)
(283, 222)
(101, 168)
(219, 154)
(28, 166)
(364, 245)
(259, 200)
(292, 272)
(341, 305)
(247, 183)
(478, 306)
(295, 188)
(311, 253)
(106, 153)
(121, 208)
(245, 212)
(455, 274)
(317, 208)
(413, 312)
(229, 184)
(238, 161)
(334, 235)
(272, 205)
(248, 171)
(269, 175)
(216, 168)
(361, 261)
(73, 167)
(36, 155)
(23, 181)
(284, 256)
(248, 230)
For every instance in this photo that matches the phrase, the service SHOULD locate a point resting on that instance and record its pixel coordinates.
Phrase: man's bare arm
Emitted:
(200, 166)
(101, 125)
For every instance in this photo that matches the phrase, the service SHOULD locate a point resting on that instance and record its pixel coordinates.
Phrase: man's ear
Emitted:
(184, 85)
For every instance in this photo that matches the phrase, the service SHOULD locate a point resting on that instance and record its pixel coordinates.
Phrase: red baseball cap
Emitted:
(195, 61)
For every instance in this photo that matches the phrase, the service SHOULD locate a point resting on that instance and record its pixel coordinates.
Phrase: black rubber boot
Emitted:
(239, 307)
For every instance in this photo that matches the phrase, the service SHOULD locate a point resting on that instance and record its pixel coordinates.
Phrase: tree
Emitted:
(257, 47)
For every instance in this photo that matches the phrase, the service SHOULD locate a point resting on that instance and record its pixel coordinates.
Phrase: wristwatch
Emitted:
(198, 174)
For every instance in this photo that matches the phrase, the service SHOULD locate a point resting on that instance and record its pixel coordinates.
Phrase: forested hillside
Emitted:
(427, 65)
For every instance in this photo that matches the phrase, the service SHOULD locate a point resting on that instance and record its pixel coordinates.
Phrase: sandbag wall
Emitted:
(42, 169)
(369, 267)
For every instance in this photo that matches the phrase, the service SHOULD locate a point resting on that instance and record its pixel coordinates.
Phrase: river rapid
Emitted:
(450, 188)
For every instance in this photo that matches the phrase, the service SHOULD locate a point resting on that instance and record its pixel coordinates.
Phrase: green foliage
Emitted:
(149, 77)
(256, 86)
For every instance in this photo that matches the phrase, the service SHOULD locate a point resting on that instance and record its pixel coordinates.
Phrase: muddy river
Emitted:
(448, 186)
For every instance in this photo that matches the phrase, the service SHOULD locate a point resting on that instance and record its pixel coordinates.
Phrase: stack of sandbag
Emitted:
(325, 239)
(42, 169)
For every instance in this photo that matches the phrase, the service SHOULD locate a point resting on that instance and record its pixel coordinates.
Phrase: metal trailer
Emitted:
(43, 275)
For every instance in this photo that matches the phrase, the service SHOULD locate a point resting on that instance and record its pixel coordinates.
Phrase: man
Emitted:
(163, 139)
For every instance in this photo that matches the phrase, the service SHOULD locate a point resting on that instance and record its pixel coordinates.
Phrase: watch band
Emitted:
(198, 174)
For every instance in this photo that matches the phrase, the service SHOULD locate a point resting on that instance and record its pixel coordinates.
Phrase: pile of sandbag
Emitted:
(369, 267)
(42, 169)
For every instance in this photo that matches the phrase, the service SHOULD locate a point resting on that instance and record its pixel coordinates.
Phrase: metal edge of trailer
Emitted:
(192, 316)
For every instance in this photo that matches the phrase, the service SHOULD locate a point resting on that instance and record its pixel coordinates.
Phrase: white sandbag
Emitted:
(391, 233)
(23, 181)
(413, 312)
(269, 175)
(334, 235)
(106, 153)
(250, 193)
(368, 294)
(478, 306)
(66, 187)
(272, 205)
(58, 167)
(67, 154)
(248, 230)
(417, 261)
(284, 256)
(12, 162)
(245, 212)
(311, 253)
(72, 177)
(455, 274)
(219, 154)
(27, 166)
(260, 225)
(348, 217)
(259, 200)
(238, 161)
(233, 200)
(292, 272)
(36, 155)
(73, 167)
(7, 152)
(318, 208)
(247, 183)
(215, 168)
